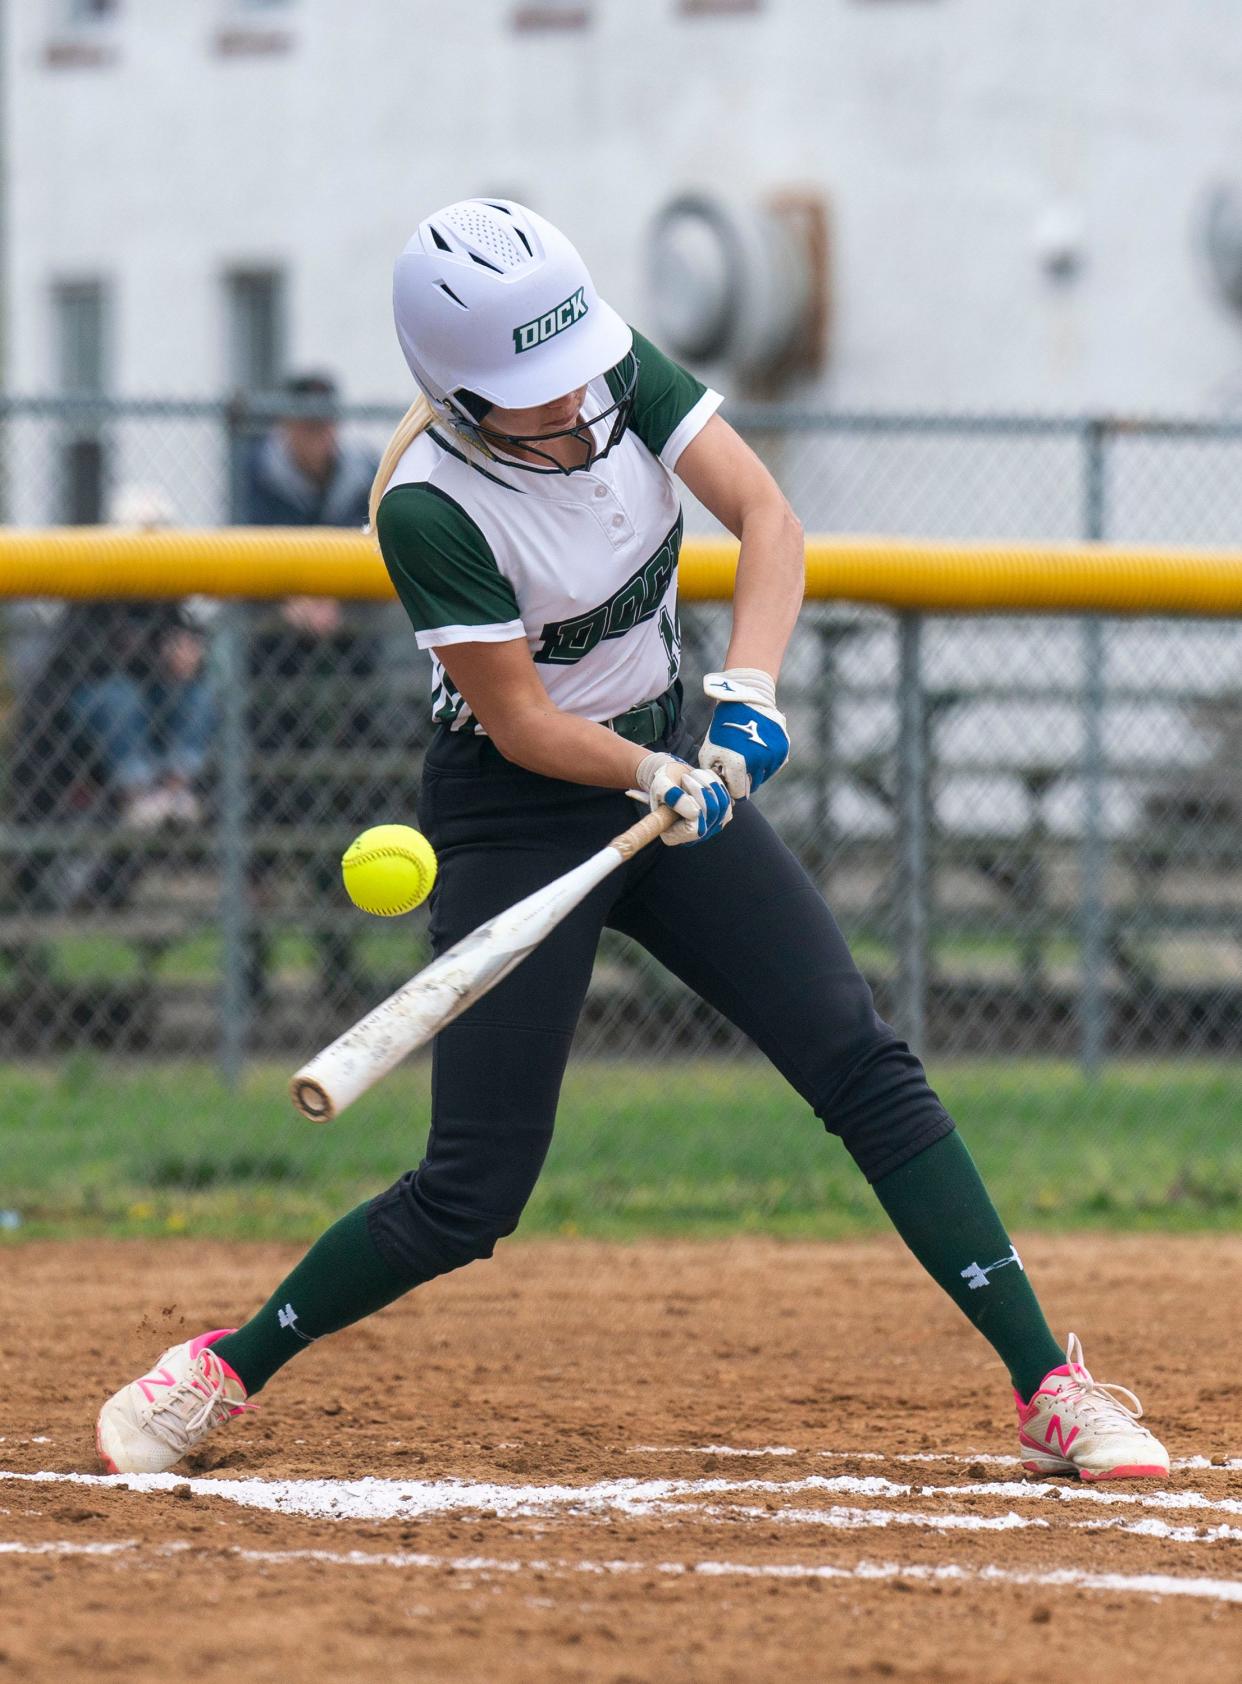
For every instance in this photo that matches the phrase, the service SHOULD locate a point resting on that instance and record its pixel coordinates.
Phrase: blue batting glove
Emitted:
(747, 742)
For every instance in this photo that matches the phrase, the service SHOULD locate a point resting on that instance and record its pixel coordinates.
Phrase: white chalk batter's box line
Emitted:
(1066, 1578)
(846, 1518)
(1195, 1464)
(390, 1499)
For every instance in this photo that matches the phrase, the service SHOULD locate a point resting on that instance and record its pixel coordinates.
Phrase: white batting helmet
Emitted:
(494, 302)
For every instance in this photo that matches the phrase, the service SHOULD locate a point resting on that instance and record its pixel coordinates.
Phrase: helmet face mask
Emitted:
(494, 308)
(474, 426)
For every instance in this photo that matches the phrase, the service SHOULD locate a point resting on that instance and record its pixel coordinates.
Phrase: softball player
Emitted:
(528, 514)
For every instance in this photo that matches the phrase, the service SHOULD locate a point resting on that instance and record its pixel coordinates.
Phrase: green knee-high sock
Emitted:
(341, 1279)
(940, 1207)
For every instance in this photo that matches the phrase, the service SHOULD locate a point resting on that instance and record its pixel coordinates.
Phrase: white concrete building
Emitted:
(202, 193)
(1015, 186)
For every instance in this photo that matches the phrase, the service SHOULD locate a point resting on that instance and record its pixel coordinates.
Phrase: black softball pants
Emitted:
(736, 918)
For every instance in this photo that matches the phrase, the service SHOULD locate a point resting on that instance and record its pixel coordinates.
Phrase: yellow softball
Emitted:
(389, 869)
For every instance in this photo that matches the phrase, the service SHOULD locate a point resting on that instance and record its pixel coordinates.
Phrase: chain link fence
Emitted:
(1028, 827)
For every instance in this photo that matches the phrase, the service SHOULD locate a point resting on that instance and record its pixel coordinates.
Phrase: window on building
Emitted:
(551, 14)
(256, 329)
(80, 369)
(81, 309)
(91, 11)
(81, 34)
(255, 29)
(717, 8)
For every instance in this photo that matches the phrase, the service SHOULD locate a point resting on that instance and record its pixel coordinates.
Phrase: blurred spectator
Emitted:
(141, 697)
(121, 706)
(114, 724)
(314, 671)
(137, 689)
(299, 474)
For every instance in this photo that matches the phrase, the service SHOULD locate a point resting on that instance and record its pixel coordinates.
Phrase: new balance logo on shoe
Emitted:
(1064, 1439)
(1074, 1424)
(750, 728)
(165, 1377)
(977, 1274)
(287, 1316)
(161, 1377)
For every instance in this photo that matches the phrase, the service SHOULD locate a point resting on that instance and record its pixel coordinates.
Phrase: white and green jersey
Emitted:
(582, 565)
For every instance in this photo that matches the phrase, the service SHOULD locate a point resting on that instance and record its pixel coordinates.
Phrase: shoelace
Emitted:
(1097, 1398)
(178, 1427)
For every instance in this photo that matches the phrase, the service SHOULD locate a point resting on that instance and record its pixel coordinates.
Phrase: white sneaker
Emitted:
(1075, 1424)
(154, 1422)
(184, 806)
(148, 809)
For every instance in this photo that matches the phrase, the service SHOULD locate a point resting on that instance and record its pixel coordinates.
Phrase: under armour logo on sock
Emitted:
(977, 1274)
(289, 1315)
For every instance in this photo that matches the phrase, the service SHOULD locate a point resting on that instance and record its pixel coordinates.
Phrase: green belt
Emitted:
(647, 724)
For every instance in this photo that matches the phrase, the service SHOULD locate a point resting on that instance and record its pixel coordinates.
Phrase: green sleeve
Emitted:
(440, 563)
(665, 396)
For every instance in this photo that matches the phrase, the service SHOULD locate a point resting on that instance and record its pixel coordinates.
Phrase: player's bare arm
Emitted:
(747, 741)
(726, 476)
(506, 696)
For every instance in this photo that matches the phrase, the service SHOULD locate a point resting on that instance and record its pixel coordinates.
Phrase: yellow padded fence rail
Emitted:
(934, 576)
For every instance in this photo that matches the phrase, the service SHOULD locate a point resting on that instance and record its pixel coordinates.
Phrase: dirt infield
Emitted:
(738, 1461)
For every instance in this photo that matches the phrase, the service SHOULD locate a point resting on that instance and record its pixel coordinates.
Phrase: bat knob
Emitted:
(311, 1099)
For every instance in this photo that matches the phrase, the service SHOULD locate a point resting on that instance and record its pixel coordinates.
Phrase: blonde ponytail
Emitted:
(417, 418)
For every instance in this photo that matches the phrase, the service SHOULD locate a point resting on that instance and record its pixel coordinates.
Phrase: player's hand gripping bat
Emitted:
(420, 1008)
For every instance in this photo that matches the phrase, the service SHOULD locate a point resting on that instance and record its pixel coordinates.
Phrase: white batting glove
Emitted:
(698, 797)
(747, 741)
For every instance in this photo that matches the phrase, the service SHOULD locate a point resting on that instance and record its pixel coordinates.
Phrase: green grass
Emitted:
(91, 957)
(677, 1148)
(394, 952)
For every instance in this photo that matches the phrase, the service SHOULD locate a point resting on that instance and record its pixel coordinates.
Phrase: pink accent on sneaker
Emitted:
(1027, 1410)
(1029, 1443)
(1075, 1424)
(205, 1339)
(107, 1461)
(1136, 1471)
(197, 1343)
(1066, 1371)
(202, 1342)
(161, 1377)
(1063, 1442)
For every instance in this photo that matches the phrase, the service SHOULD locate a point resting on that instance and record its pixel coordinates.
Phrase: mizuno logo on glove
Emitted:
(750, 728)
(745, 700)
